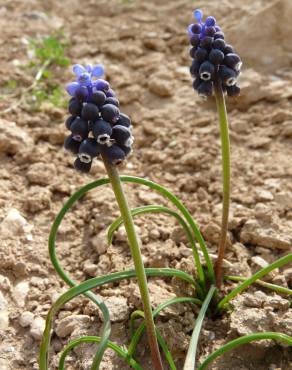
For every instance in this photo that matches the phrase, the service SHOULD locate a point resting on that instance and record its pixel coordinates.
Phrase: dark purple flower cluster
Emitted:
(97, 126)
(214, 61)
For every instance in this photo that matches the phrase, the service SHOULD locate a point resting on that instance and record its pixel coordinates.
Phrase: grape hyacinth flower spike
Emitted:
(214, 61)
(215, 70)
(97, 126)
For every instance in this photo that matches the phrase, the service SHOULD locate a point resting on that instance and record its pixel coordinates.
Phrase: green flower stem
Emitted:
(137, 257)
(244, 340)
(91, 339)
(190, 362)
(225, 150)
(276, 288)
(280, 262)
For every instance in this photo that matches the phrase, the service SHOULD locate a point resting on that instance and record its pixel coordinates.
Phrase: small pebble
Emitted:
(26, 319)
(37, 328)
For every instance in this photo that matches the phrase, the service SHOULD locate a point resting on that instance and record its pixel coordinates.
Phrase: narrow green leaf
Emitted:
(64, 276)
(244, 340)
(174, 200)
(164, 192)
(92, 339)
(91, 284)
(165, 350)
(190, 362)
(160, 339)
(134, 316)
(161, 209)
(137, 335)
(264, 271)
(276, 288)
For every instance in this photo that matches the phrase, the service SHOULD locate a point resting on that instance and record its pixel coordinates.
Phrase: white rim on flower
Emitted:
(85, 158)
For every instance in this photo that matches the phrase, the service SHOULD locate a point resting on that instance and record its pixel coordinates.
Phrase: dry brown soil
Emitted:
(144, 48)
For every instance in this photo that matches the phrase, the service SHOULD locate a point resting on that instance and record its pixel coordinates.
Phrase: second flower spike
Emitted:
(214, 61)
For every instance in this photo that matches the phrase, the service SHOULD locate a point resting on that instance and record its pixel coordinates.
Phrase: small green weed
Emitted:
(11, 85)
(48, 52)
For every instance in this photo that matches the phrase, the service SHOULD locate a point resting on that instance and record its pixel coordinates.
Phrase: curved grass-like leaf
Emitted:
(123, 354)
(64, 276)
(148, 209)
(137, 335)
(130, 179)
(78, 194)
(190, 362)
(244, 340)
(264, 271)
(174, 200)
(160, 209)
(92, 339)
(165, 350)
(91, 284)
(276, 288)
(161, 342)
(137, 314)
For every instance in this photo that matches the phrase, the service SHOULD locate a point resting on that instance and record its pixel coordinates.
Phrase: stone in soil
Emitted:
(269, 235)
(20, 292)
(26, 319)
(37, 328)
(13, 139)
(259, 312)
(118, 308)
(70, 323)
